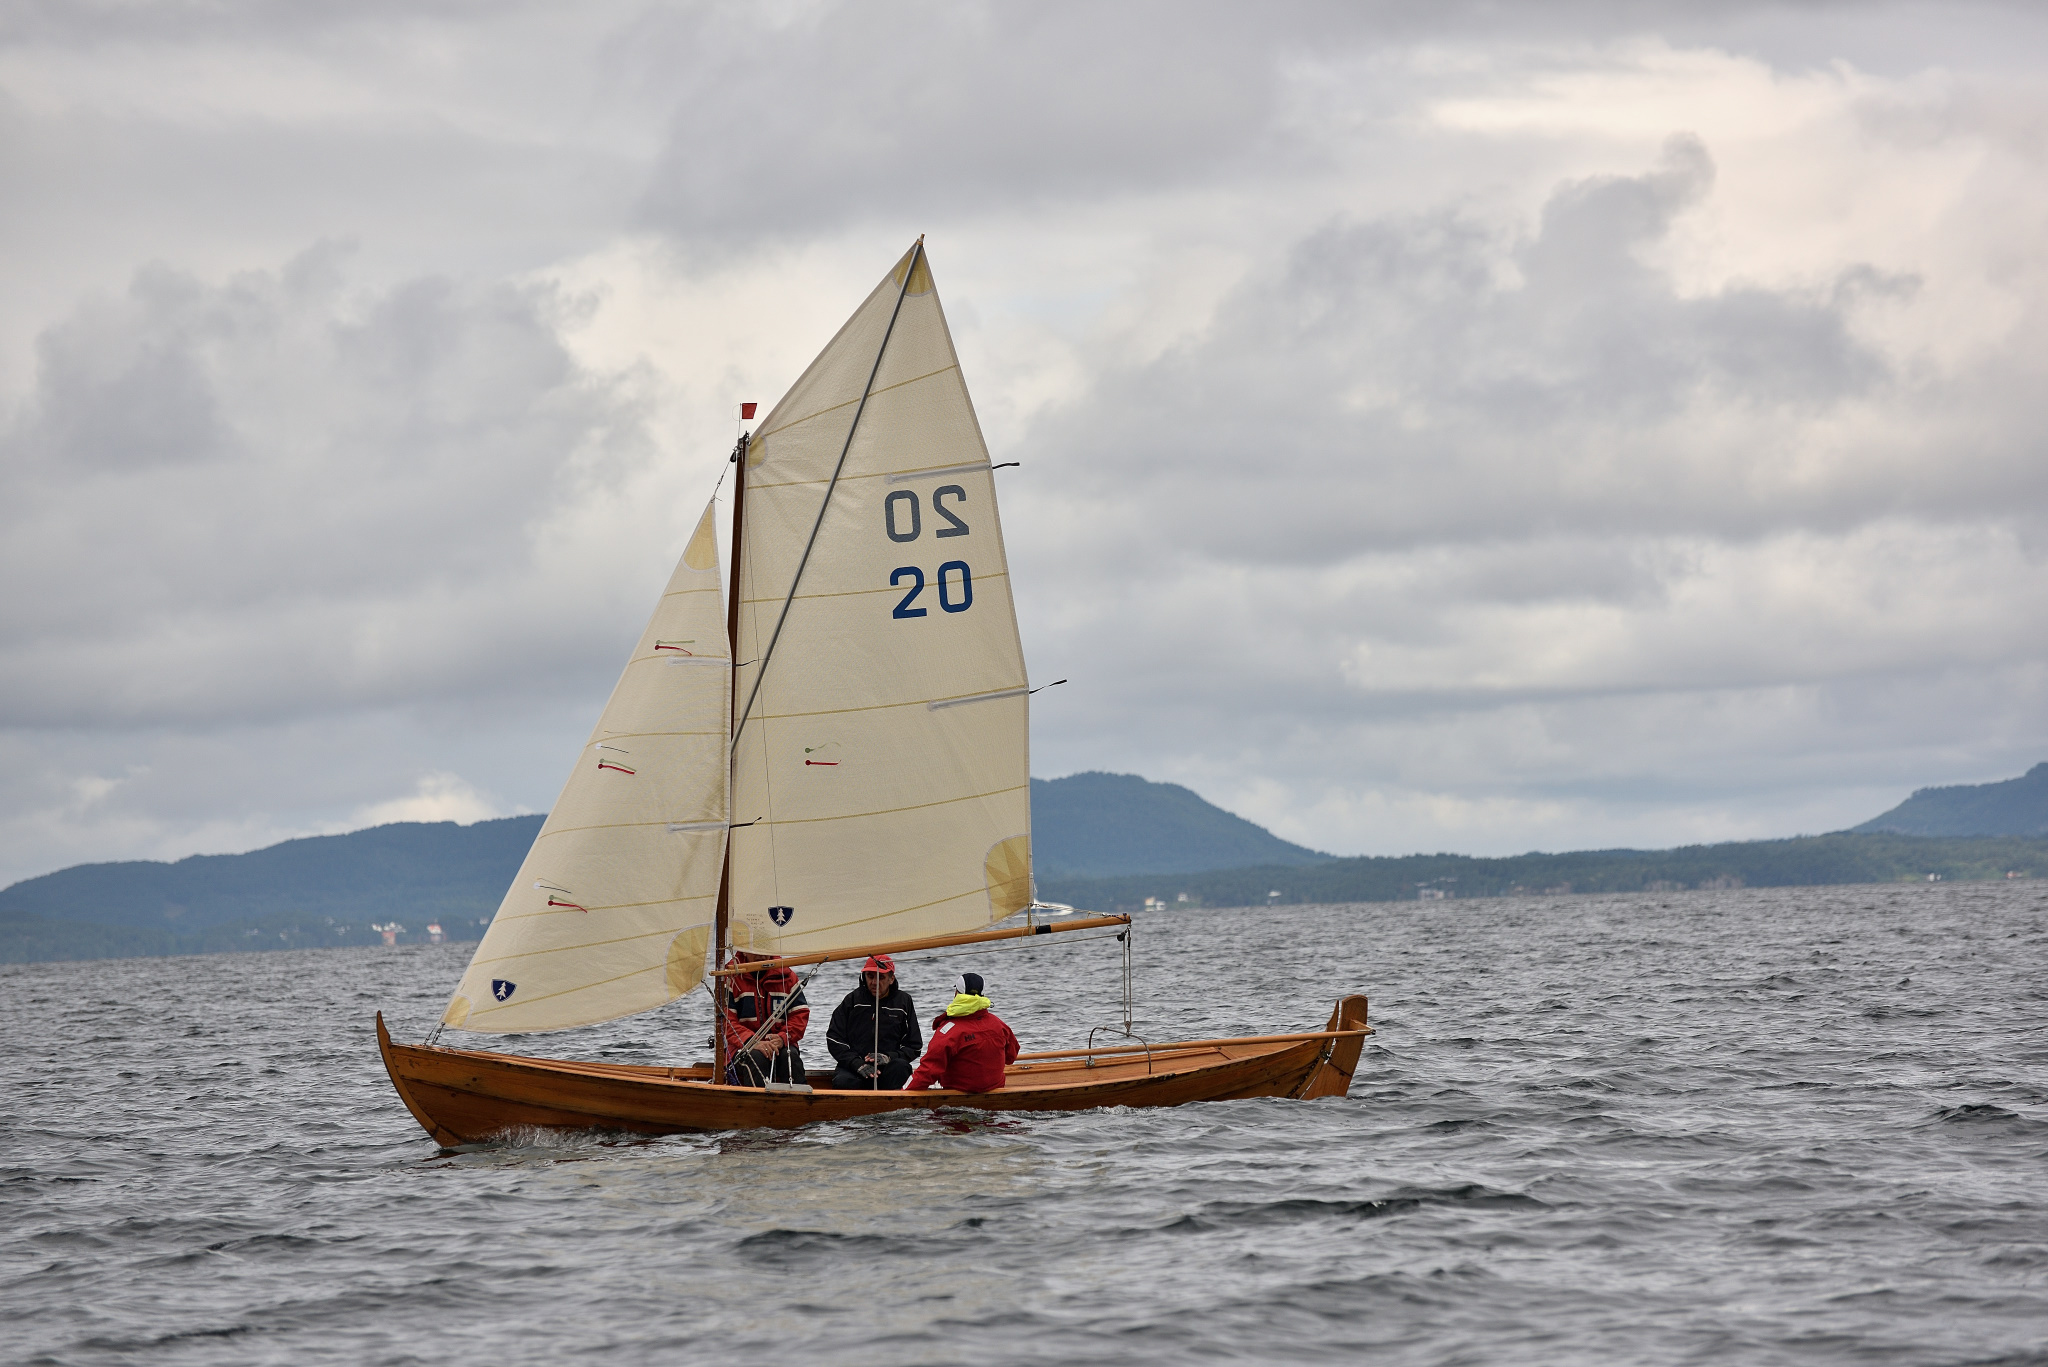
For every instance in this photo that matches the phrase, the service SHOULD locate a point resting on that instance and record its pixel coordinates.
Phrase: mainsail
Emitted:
(881, 771)
(612, 911)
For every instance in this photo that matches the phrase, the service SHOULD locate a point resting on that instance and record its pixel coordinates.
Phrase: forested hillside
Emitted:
(2018, 806)
(1799, 862)
(1097, 825)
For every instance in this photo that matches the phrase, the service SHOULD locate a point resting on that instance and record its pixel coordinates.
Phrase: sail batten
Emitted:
(849, 403)
(909, 475)
(595, 944)
(891, 811)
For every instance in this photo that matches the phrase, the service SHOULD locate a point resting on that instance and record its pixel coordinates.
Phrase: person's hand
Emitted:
(869, 1069)
(878, 1058)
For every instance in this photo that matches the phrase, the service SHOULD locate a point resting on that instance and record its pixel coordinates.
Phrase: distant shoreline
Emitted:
(1902, 861)
(1836, 860)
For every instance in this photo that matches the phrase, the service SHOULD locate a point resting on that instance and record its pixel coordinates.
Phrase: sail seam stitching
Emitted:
(607, 906)
(893, 811)
(901, 911)
(644, 735)
(885, 475)
(847, 711)
(856, 593)
(712, 824)
(591, 944)
(885, 389)
(938, 704)
(936, 471)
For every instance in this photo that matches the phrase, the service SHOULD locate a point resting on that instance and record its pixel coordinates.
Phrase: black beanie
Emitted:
(970, 983)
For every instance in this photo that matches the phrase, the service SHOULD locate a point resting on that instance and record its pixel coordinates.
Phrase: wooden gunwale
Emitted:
(1156, 1049)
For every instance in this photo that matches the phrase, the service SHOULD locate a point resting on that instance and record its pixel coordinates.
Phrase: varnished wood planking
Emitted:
(464, 1096)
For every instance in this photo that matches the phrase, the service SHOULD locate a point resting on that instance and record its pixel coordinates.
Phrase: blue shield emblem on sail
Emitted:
(780, 915)
(503, 990)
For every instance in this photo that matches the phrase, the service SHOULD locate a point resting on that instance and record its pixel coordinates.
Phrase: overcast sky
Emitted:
(1475, 428)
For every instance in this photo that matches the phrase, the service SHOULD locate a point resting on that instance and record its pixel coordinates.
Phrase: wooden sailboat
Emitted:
(840, 765)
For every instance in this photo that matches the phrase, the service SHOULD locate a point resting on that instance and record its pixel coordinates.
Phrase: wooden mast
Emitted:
(732, 647)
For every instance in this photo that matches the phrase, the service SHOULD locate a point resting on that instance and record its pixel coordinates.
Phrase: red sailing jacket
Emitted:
(966, 1052)
(753, 997)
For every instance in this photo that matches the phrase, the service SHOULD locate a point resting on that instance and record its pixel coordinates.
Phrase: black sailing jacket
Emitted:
(851, 1035)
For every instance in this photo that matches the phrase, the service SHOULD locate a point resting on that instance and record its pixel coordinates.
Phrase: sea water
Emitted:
(1787, 1126)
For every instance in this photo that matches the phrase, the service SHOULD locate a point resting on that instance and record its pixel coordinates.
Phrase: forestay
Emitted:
(883, 752)
(612, 911)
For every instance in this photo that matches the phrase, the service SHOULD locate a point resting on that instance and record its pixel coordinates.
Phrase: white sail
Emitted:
(612, 911)
(883, 752)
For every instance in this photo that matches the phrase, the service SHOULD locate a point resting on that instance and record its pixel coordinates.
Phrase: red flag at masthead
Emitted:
(747, 411)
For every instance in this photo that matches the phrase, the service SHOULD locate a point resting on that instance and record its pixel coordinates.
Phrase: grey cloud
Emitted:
(117, 396)
(274, 496)
(1406, 381)
(186, 21)
(903, 112)
(811, 120)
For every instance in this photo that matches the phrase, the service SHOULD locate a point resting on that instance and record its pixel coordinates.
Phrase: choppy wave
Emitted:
(1763, 1126)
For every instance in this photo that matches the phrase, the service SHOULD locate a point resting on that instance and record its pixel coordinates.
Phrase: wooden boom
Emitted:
(969, 937)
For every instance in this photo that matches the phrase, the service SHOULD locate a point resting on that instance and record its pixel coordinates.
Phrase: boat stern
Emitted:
(1332, 1074)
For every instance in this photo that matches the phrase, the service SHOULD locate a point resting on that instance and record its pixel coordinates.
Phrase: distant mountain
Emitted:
(2018, 806)
(1097, 825)
(409, 871)
(320, 890)
(1804, 861)
(330, 889)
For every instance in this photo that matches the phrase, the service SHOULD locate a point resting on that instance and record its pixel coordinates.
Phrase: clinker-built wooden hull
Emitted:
(463, 1096)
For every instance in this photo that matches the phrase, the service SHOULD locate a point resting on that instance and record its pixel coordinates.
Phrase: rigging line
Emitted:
(909, 270)
(1129, 994)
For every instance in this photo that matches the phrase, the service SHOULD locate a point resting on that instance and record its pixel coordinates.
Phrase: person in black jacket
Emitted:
(874, 1048)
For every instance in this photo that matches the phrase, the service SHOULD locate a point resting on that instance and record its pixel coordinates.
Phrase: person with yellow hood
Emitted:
(970, 1044)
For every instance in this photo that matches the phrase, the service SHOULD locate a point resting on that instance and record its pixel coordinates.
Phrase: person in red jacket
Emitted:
(970, 1044)
(765, 1017)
